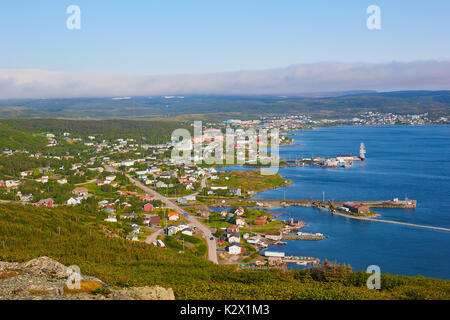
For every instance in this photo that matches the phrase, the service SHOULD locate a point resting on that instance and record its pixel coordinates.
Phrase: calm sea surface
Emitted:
(412, 161)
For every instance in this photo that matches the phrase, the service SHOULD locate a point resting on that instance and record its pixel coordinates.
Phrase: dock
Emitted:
(303, 236)
(301, 260)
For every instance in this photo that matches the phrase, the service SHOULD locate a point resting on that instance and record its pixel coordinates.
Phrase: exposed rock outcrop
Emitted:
(46, 279)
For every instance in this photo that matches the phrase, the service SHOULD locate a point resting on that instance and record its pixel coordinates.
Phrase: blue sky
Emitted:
(159, 37)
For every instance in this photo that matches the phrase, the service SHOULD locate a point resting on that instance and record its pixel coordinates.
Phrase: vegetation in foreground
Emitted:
(75, 236)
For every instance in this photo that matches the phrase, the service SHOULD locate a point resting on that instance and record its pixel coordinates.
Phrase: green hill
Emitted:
(16, 139)
(436, 103)
(77, 236)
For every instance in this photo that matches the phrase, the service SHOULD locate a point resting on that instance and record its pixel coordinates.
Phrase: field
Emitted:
(249, 180)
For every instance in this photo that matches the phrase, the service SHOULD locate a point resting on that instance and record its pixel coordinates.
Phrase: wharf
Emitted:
(303, 236)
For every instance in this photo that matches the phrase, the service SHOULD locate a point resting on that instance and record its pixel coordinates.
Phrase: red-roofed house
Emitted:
(147, 207)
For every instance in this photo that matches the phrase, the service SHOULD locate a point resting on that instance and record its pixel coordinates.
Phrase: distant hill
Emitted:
(323, 105)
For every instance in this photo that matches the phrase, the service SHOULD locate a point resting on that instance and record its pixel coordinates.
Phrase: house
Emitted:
(260, 220)
(275, 236)
(44, 203)
(235, 248)
(173, 216)
(190, 197)
(127, 193)
(145, 198)
(43, 179)
(155, 220)
(219, 188)
(170, 230)
(253, 240)
(239, 211)
(62, 181)
(12, 183)
(26, 197)
(160, 184)
(187, 231)
(232, 228)
(109, 208)
(26, 173)
(224, 213)
(127, 163)
(147, 207)
(234, 237)
(130, 216)
(151, 219)
(357, 207)
(240, 222)
(74, 201)
(111, 218)
(204, 213)
(103, 182)
(235, 192)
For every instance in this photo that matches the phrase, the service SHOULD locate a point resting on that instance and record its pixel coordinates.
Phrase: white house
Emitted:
(234, 238)
(219, 187)
(74, 201)
(187, 231)
(240, 222)
(235, 248)
(253, 240)
(111, 218)
(12, 183)
(127, 163)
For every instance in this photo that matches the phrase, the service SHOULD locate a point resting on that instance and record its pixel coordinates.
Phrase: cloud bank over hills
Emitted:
(292, 80)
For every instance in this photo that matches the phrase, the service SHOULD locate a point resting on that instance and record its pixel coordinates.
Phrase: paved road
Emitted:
(212, 245)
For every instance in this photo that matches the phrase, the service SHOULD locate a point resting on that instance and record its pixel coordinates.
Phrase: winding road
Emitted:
(212, 245)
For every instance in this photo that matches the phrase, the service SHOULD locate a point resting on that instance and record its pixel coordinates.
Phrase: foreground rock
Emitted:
(46, 279)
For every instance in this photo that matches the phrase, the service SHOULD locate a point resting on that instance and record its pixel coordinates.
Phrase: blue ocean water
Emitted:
(412, 161)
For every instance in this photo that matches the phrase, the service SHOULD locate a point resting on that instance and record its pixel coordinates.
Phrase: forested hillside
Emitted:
(28, 132)
(437, 103)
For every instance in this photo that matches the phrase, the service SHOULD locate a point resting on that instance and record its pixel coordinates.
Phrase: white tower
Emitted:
(362, 152)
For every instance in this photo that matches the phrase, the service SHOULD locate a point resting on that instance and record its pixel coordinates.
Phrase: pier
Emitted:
(303, 236)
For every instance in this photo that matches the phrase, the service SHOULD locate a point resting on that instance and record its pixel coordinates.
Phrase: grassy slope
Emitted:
(27, 232)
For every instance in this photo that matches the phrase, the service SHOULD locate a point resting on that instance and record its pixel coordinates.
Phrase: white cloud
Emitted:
(296, 79)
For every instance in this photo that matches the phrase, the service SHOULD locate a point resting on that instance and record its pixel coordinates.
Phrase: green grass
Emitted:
(249, 180)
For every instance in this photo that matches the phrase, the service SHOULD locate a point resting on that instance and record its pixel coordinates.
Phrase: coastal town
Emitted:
(139, 192)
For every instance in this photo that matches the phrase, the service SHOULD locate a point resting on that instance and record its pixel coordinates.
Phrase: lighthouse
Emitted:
(362, 152)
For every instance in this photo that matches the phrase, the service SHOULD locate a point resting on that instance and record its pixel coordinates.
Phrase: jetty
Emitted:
(304, 236)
